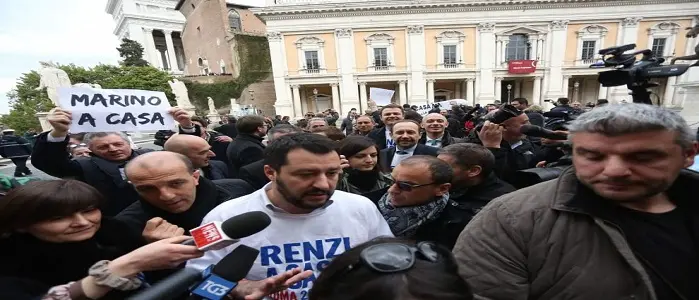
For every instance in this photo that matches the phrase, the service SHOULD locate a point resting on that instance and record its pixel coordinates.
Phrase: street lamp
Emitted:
(509, 92)
(315, 97)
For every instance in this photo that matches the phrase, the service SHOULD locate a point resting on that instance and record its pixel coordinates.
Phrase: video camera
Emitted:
(634, 73)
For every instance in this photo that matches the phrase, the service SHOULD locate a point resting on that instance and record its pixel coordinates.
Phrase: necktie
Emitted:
(434, 143)
(402, 152)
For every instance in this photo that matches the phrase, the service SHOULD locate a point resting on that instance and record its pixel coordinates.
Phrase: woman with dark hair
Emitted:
(363, 175)
(392, 269)
(52, 233)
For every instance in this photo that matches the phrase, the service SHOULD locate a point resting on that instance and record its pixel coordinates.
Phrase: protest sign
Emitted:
(381, 96)
(447, 104)
(96, 110)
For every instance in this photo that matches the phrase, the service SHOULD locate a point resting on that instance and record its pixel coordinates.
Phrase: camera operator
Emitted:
(501, 135)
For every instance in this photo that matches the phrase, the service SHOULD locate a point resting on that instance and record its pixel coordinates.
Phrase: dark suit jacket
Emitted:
(216, 170)
(386, 155)
(254, 174)
(244, 150)
(379, 137)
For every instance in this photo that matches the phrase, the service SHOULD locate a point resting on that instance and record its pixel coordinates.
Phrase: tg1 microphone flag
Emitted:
(224, 276)
(216, 235)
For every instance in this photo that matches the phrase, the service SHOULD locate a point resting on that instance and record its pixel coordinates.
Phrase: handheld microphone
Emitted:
(225, 275)
(218, 279)
(536, 131)
(218, 235)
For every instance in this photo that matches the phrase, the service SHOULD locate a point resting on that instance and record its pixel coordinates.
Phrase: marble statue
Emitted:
(212, 107)
(181, 95)
(53, 78)
(235, 107)
(88, 85)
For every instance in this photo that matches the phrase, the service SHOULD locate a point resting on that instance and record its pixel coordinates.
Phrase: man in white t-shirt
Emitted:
(311, 222)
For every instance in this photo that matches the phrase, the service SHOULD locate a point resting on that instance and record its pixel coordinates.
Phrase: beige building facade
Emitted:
(328, 54)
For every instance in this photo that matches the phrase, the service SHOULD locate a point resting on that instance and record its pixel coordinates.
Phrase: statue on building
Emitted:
(52, 78)
(181, 94)
(692, 33)
(212, 107)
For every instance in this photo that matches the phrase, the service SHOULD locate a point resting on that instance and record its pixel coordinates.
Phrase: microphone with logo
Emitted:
(218, 235)
(223, 277)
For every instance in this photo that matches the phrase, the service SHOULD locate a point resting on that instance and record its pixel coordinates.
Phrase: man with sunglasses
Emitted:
(417, 205)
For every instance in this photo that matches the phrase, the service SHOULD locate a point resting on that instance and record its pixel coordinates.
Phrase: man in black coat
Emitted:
(474, 183)
(247, 148)
(435, 134)
(229, 129)
(406, 133)
(104, 169)
(254, 173)
(17, 149)
(174, 198)
(390, 114)
(200, 154)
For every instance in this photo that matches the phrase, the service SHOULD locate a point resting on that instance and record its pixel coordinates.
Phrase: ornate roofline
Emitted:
(397, 7)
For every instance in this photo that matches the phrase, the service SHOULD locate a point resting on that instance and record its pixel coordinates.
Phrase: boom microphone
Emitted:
(536, 131)
(217, 235)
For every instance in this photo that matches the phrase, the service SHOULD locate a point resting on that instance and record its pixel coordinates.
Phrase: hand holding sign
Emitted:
(182, 117)
(60, 121)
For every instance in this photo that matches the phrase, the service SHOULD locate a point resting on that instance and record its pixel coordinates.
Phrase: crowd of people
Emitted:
(388, 204)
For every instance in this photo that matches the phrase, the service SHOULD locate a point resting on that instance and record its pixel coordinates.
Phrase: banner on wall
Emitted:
(521, 66)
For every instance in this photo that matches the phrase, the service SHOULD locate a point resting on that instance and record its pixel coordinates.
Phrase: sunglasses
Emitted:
(73, 146)
(407, 187)
(398, 257)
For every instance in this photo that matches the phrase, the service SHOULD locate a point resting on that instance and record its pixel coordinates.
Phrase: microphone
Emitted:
(225, 275)
(218, 279)
(218, 235)
(536, 131)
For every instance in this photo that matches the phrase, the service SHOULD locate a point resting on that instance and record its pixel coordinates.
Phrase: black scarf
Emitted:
(207, 199)
(363, 180)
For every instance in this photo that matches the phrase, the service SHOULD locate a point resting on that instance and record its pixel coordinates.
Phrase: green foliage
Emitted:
(132, 53)
(26, 101)
(255, 65)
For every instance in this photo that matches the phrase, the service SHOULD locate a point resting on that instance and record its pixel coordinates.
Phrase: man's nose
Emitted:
(166, 194)
(322, 183)
(616, 167)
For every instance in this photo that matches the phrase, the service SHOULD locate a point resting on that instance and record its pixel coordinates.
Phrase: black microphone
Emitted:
(211, 280)
(216, 235)
(536, 131)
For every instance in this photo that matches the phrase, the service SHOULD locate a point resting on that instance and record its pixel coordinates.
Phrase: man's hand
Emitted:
(224, 138)
(254, 290)
(165, 254)
(541, 164)
(491, 135)
(182, 117)
(158, 229)
(344, 163)
(60, 121)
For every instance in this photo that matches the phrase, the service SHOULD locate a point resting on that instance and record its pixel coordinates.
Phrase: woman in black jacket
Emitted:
(363, 175)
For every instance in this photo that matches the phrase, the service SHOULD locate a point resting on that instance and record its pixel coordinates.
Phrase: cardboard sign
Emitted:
(101, 110)
(381, 96)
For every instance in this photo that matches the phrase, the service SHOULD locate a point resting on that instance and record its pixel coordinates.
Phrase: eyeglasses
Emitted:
(397, 257)
(407, 187)
(73, 146)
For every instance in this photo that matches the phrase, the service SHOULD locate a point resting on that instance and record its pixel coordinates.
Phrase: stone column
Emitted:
(470, 91)
(348, 85)
(669, 92)
(565, 85)
(430, 90)
(629, 34)
(498, 89)
(416, 49)
(152, 53)
(297, 101)
(283, 105)
(486, 40)
(603, 91)
(362, 95)
(171, 51)
(536, 91)
(555, 59)
(402, 90)
(498, 52)
(336, 97)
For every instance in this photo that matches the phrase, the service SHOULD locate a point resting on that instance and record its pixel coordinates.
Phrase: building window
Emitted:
(380, 47)
(518, 47)
(203, 66)
(222, 65)
(234, 20)
(311, 55)
(590, 40)
(588, 50)
(450, 45)
(381, 58)
(658, 47)
(193, 7)
(662, 39)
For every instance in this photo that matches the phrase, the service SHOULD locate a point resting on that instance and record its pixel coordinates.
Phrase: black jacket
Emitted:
(244, 150)
(254, 174)
(209, 195)
(447, 139)
(104, 175)
(227, 129)
(215, 170)
(386, 155)
(217, 147)
(470, 200)
(508, 160)
(379, 137)
(347, 126)
(12, 146)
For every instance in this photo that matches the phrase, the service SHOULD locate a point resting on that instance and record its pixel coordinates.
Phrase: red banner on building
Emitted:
(521, 66)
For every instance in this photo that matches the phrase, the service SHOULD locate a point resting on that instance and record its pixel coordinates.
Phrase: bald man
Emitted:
(174, 197)
(435, 134)
(198, 150)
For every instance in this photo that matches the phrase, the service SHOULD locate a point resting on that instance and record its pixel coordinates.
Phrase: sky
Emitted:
(65, 31)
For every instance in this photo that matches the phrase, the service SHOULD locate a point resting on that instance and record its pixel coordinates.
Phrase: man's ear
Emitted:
(690, 154)
(270, 173)
(196, 175)
(443, 189)
(474, 171)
